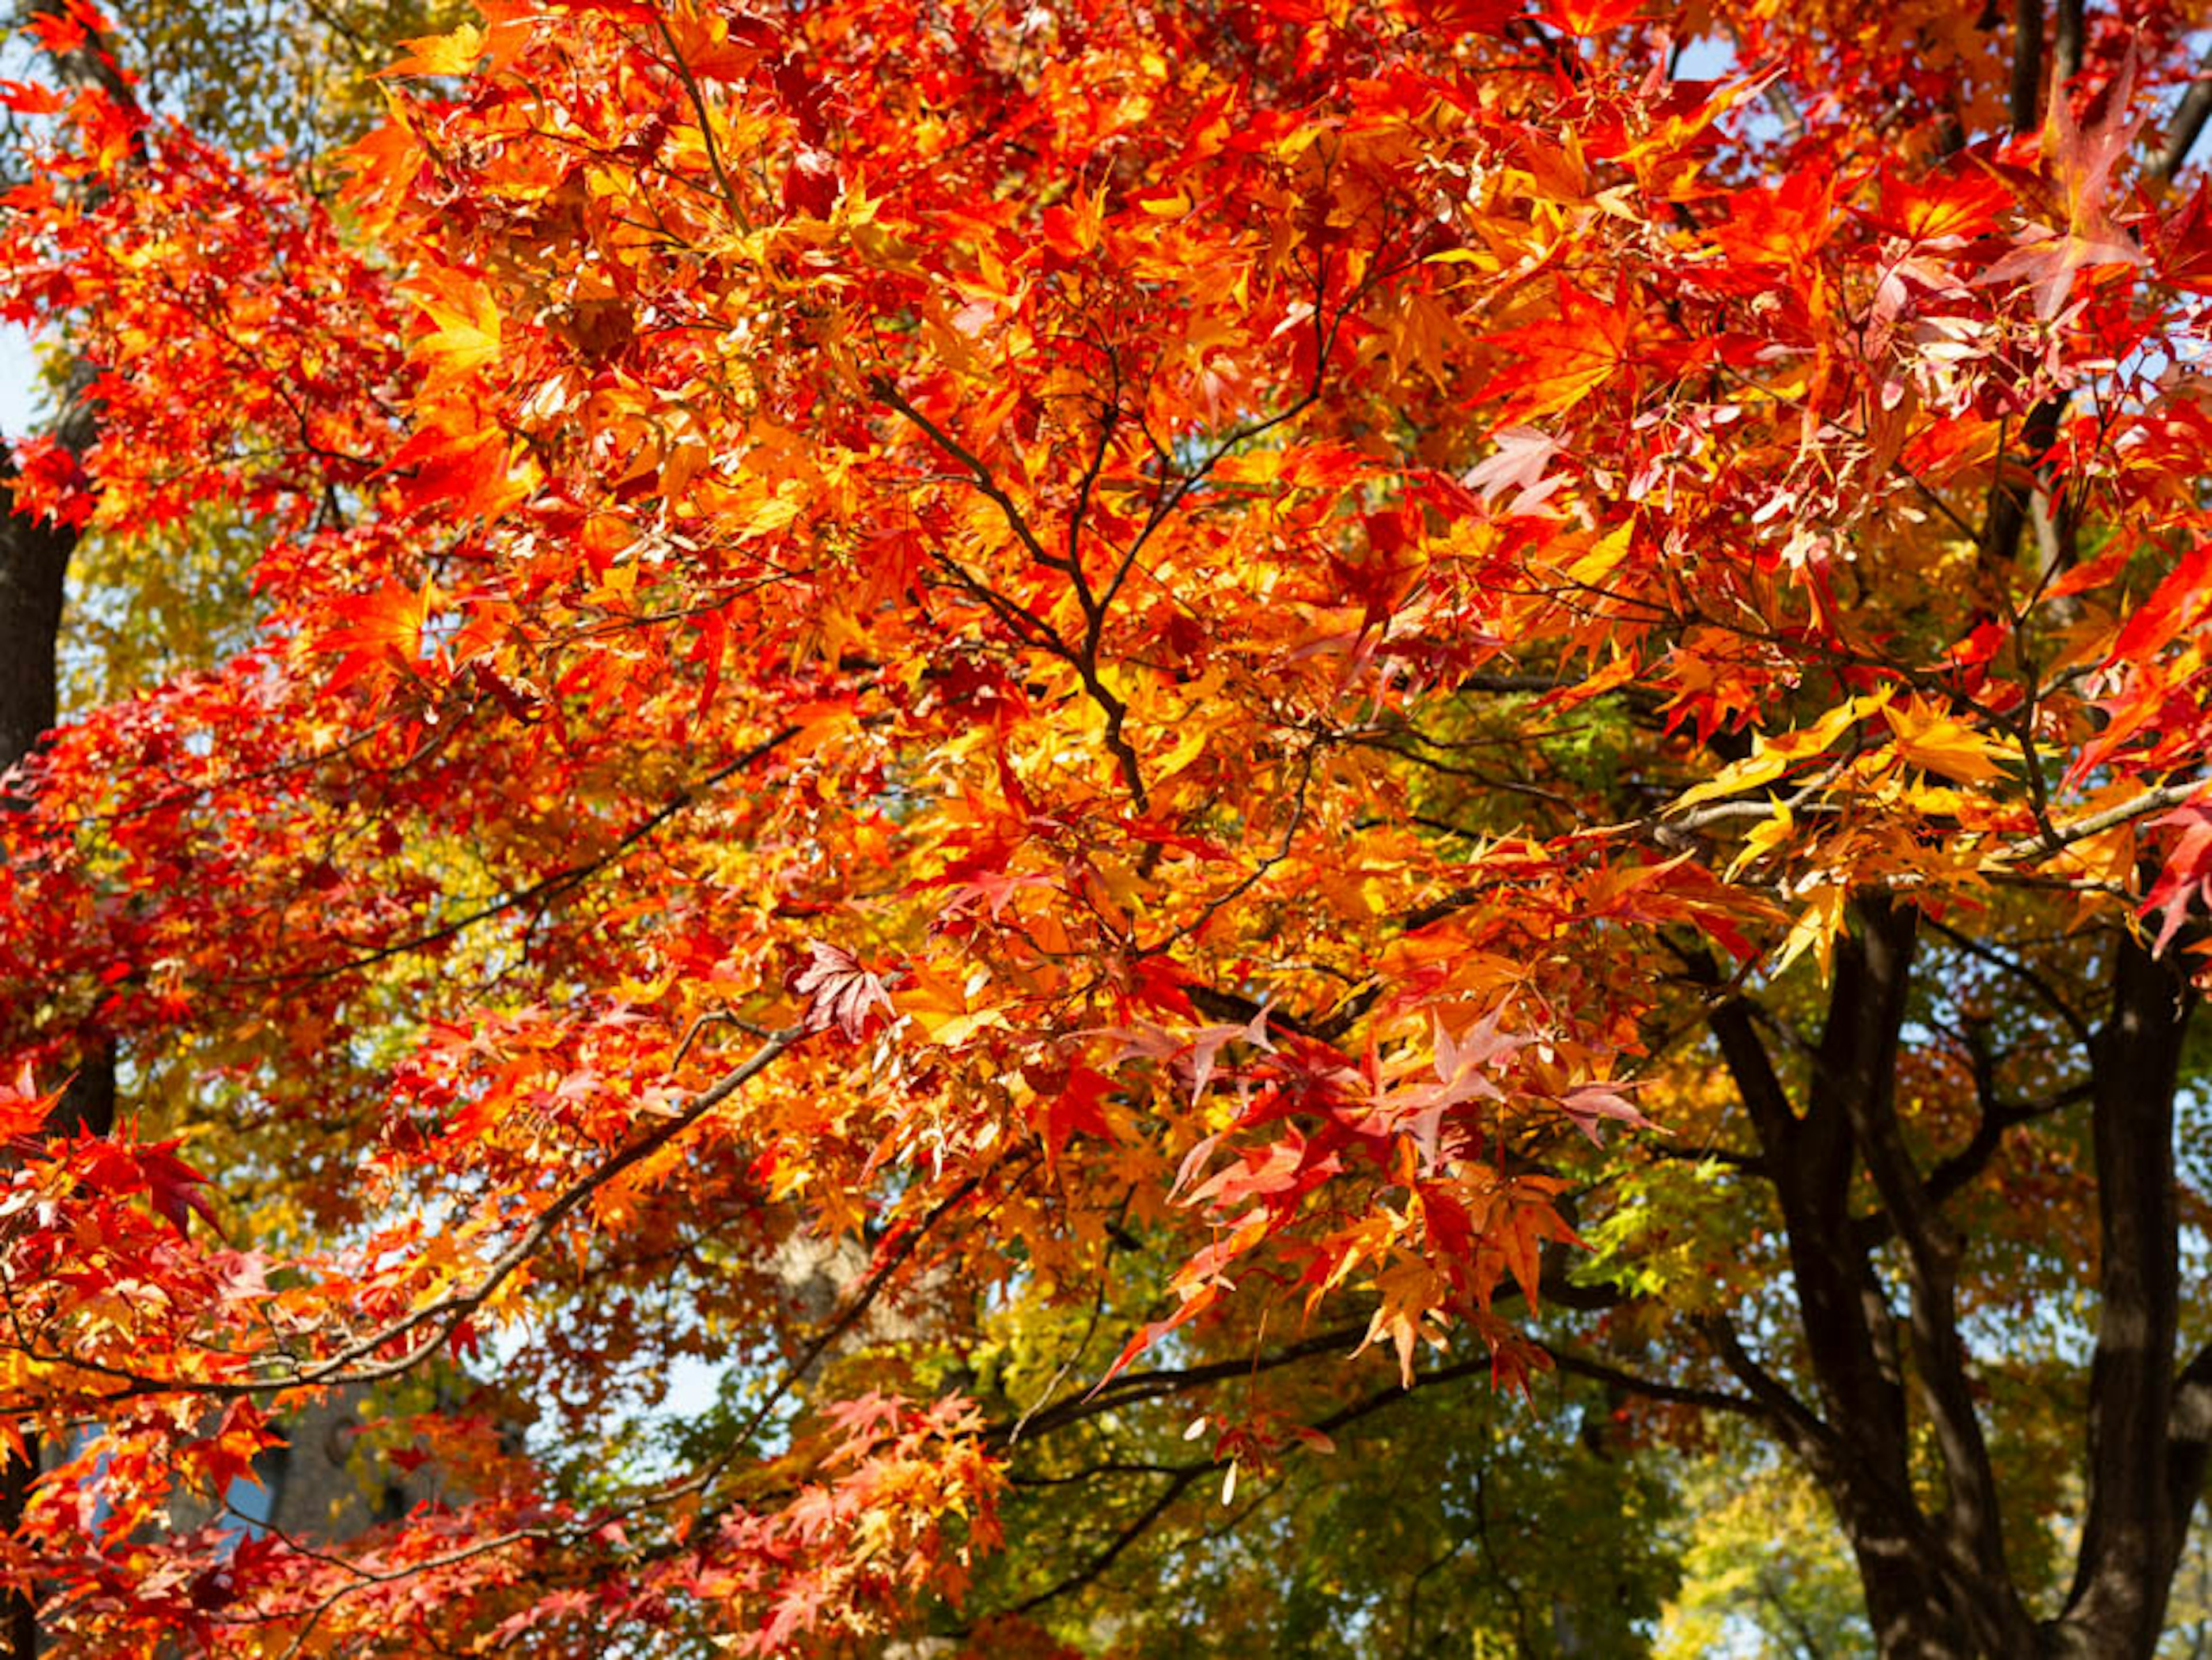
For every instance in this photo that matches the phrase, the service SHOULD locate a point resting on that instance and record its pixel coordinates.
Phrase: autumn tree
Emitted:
(1075, 739)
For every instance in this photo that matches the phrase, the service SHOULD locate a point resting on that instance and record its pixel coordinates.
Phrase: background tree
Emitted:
(1013, 726)
(1762, 1559)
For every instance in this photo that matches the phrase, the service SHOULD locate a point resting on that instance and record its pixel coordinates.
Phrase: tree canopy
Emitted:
(1224, 802)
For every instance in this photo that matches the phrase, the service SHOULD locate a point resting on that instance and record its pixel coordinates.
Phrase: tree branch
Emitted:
(2189, 119)
(1127, 1537)
(2069, 38)
(1813, 1441)
(1085, 661)
(2046, 993)
(1131, 1386)
(1733, 1020)
(1678, 1394)
(546, 887)
(2027, 64)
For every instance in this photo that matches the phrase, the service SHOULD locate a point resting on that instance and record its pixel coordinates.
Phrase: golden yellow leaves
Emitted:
(1773, 758)
(1938, 743)
(1816, 928)
(441, 54)
(1592, 567)
(1864, 811)
(949, 1012)
(1923, 737)
(1767, 838)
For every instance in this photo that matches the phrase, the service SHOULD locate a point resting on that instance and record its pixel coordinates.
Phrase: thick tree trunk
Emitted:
(34, 558)
(1893, 1388)
(1926, 1579)
(1936, 1586)
(19, 1615)
(2138, 1512)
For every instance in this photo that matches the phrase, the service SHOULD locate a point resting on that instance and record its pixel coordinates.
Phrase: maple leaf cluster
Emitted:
(930, 642)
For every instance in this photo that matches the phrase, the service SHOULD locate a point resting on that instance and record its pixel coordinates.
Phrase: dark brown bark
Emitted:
(2069, 37)
(1935, 1572)
(1859, 1066)
(35, 556)
(2020, 492)
(2013, 499)
(2188, 123)
(1858, 1445)
(19, 1615)
(2132, 1534)
(1925, 1597)
(2027, 64)
(32, 557)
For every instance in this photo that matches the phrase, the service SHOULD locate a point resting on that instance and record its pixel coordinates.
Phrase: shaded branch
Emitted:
(1800, 1426)
(445, 1313)
(2027, 64)
(1134, 1386)
(1733, 1020)
(1183, 1475)
(2188, 1439)
(551, 886)
(2035, 982)
(1678, 1394)
(1954, 1173)
(2189, 119)
(1127, 1537)
(1083, 661)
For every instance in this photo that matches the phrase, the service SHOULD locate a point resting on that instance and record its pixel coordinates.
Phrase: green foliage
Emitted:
(257, 74)
(1764, 1570)
(1450, 1521)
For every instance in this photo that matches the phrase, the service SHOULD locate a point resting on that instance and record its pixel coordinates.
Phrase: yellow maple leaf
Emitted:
(441, 54)
(1771, 758)
(1817, 927)
(1766, 835)
(1935, 742)
(1594, 566)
